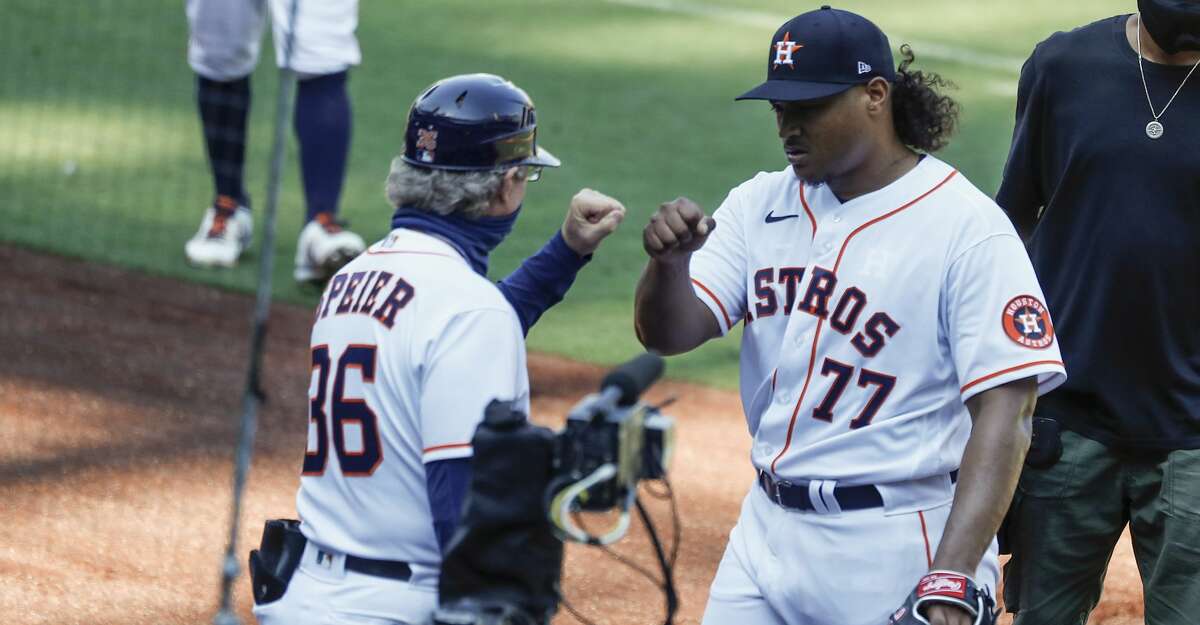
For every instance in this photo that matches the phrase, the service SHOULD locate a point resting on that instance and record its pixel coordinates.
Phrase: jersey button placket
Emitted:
(823, 237)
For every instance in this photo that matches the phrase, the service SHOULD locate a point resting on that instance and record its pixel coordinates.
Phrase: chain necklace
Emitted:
(1154, 129)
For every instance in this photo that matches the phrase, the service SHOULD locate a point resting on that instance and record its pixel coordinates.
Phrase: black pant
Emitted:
(1067, 519)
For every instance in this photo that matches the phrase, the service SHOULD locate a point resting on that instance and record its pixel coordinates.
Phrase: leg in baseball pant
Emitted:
(735, 596)
(323, 128)
(227, 227)
(1066, 521)
(322, 592)
(323, 119)
(224, 36)
(223, 47)
(318, 39)
(848, 568)
(857, 567)
(1165, 527)
(305, 602)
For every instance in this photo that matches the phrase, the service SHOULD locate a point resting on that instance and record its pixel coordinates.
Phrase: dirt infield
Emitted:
(119, 400)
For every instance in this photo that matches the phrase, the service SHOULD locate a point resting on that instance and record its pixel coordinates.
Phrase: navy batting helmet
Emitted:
(473, 122)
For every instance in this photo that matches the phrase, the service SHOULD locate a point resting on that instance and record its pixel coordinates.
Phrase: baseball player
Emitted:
(223, 48)
(410, 342)
(894, 344)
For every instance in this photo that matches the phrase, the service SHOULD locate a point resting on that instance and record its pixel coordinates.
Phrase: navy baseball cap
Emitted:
(821, 53)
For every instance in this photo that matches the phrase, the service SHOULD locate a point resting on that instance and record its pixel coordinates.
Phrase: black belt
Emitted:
(391, 569)
(796, 496)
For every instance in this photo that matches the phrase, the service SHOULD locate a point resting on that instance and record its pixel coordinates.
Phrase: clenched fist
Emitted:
(677, 229)
(591, 217)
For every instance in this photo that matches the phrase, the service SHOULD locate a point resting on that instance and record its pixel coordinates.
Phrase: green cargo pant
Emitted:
(1066, 520)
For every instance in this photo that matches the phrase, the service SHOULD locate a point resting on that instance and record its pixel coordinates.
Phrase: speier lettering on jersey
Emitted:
(780, 290)
(359, 293)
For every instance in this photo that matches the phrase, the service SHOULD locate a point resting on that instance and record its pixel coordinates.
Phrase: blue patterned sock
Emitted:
(224, 107)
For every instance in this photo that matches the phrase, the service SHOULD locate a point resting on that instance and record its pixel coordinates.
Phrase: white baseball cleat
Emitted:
(323, 248)
(223, 235)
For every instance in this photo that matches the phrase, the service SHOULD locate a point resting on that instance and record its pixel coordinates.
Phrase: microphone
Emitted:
(633, 377)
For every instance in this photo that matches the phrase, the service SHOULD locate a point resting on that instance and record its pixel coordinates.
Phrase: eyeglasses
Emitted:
(531, 173)
(528, 173)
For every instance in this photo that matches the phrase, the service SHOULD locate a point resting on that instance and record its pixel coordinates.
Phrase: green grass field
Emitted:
(101, 154)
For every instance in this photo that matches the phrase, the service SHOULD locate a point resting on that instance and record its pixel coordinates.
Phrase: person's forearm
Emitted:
(986, 480)
(542, 280)
(447, 482)
(666, 309)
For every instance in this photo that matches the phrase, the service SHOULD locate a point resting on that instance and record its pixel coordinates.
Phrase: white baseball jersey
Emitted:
(409, 345)
(869, 323)
(224, 36)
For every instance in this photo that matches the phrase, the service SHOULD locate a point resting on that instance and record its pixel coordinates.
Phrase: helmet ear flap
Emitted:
(473, 122)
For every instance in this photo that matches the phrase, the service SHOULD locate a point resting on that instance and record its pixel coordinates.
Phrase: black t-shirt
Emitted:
(1117, 246)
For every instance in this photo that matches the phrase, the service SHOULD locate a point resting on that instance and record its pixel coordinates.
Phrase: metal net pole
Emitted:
(253, 396)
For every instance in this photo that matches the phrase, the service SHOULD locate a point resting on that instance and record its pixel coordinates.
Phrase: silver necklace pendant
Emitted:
(1154, 129)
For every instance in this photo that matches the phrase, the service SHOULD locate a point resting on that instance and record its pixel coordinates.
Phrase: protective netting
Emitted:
(101, 149)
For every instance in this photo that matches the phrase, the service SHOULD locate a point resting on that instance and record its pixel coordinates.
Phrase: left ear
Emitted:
(508, 185)
(877, 89)
(508, 196)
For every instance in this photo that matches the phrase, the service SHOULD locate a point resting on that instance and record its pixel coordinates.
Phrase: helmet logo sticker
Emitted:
(784, 50)
(1027, 322)
(426, 144)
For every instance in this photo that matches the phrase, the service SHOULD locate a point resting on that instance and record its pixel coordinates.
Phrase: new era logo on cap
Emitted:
(863, 68)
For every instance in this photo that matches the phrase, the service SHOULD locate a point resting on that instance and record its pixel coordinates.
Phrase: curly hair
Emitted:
(924, 118)
(439, 191)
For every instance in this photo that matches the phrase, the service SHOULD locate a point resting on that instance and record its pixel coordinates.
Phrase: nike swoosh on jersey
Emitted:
(771, 218)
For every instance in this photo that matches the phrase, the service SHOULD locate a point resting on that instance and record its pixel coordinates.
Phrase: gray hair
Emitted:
(440, 191)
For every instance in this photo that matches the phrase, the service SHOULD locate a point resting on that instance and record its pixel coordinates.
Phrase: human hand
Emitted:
(945, 614)
(591, 217)
(677, 229)
(946, 597)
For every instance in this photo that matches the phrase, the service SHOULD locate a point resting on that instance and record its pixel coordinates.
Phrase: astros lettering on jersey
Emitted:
(869, 323)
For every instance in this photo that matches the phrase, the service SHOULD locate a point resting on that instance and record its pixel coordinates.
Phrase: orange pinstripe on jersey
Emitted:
(812, 221)
(925, 534)
(728, 321)
(441, 447)
(381, 252)
(1008, 370)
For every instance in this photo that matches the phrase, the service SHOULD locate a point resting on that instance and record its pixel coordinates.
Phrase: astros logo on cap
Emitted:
(427, 143)
(427, 139)
(784, 49)
(1027, 322)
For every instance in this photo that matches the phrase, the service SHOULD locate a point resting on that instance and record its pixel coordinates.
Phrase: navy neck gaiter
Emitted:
(473, 238)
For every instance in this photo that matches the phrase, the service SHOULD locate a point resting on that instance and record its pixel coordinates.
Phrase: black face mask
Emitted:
(1174, 24)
